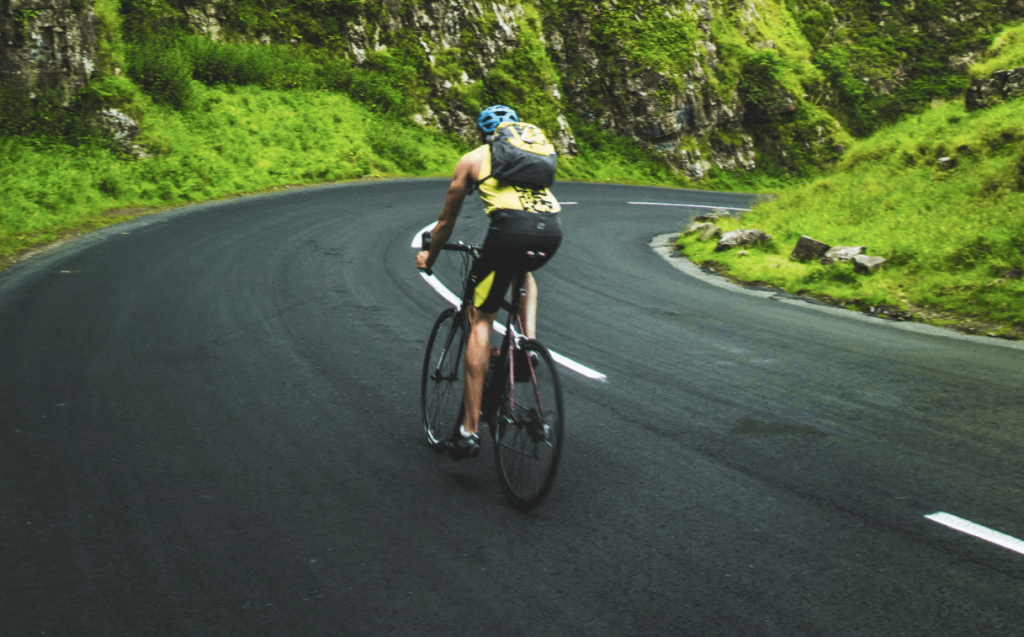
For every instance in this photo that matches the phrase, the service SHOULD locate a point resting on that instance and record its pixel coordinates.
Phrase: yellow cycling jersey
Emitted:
(497, 193)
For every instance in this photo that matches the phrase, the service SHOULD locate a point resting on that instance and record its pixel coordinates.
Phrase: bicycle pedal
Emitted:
(541, 434)
(465, 448)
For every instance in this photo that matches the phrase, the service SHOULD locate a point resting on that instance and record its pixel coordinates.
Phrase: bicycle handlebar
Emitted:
(453, 247)
(468, 248)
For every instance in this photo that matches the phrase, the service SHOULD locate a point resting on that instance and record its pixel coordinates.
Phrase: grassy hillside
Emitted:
(1006, 52)
(229, 141)
(953, 236)
(883, 59)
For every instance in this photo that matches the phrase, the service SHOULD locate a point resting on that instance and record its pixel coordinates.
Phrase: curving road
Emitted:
(209, 425)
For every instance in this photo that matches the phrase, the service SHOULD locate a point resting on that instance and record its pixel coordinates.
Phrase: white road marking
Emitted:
(569, 203)
(978, 531)
(582, 370)
(683, 205)
(568, 363)
(447, 295)
(442, 290)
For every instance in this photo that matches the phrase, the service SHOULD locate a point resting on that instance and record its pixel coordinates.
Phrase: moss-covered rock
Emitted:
(48, 45)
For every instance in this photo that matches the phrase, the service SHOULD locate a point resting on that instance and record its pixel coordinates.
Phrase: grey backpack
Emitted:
(522, 155)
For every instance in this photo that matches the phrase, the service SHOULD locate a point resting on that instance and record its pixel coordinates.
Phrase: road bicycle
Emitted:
(522, 398)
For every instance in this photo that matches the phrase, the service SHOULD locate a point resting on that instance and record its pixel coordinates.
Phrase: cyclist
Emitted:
(514, 238)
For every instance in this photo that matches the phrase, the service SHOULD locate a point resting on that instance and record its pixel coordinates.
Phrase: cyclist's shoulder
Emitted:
(477, 155)
(472, 163)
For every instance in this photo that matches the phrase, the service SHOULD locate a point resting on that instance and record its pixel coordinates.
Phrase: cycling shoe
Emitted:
(460, 446)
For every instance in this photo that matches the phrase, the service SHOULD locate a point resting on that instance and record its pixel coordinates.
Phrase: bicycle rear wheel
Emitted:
(441, 385)
(529, 430)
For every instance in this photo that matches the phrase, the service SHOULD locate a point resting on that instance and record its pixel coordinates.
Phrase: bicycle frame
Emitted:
(511, 340)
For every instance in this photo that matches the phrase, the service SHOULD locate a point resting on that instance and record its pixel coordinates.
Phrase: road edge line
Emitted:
(664, 245)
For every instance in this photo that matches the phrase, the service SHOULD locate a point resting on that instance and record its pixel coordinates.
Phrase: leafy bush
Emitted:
(384, 84)
(271, 67)
(163, 70)
(165, 67)
(761, 87)
(216, 64)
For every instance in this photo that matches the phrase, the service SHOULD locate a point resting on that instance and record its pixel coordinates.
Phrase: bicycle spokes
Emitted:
(529, 441)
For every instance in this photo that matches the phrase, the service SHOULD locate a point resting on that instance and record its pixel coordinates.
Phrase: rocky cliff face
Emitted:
(883, 59)
(48, 44)
(462, 43)
(706, 83)
(667, 104)
(462, 50)
(589, 65)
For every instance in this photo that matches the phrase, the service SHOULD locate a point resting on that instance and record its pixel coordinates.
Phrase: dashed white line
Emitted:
(978, 531)
(684, 205)
(449, 296)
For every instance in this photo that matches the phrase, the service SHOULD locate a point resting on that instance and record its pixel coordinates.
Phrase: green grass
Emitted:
(232, 140)
(1006, 52)
(951, 237)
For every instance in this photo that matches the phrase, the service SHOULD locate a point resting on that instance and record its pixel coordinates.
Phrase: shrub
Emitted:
(163, 71)
(379, 85)
(760, 86)
(215, 64)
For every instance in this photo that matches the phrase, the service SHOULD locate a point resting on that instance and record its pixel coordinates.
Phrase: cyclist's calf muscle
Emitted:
(478, 358)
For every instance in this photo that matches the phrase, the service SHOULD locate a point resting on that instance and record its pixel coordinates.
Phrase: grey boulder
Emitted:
(842, 253)
(808, 249)
(742, 237)
(863, 264)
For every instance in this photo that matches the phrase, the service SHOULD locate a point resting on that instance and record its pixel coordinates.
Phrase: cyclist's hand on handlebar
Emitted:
(421, 260)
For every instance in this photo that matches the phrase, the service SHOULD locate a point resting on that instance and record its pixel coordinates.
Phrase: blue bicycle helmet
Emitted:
(491, 116)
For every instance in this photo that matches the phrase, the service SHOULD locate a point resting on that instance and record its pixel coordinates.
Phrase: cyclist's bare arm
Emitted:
(467, 171)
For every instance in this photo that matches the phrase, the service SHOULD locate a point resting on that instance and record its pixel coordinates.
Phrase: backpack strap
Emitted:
(475, 185)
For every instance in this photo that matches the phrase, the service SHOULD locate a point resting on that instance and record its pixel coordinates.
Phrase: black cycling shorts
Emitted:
(517, 242)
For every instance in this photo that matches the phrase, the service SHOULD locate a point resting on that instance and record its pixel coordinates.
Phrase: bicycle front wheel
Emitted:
(530, 429)
(441, 386)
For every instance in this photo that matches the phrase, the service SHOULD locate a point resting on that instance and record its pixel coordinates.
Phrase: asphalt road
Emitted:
(209, 425)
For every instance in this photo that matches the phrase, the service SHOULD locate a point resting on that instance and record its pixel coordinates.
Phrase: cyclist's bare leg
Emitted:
(528, 306)
(478, 357)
